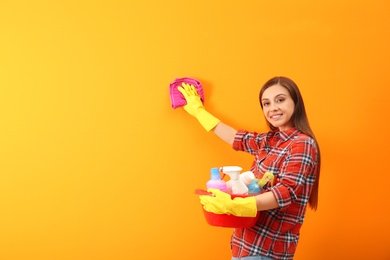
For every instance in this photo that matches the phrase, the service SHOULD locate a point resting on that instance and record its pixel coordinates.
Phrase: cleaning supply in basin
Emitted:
(247, 177)
(253, 187)
(226, 209)
(177, 99)
(216, 181)
(257, 185)
(268, 178)
(236, 184)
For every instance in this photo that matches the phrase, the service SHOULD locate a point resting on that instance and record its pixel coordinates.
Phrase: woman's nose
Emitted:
(274, 107)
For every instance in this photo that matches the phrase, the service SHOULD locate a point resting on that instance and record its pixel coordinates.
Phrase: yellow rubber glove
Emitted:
(221, 203)
(195, 107)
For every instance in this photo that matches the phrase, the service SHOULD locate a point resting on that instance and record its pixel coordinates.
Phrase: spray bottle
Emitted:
(236, 184)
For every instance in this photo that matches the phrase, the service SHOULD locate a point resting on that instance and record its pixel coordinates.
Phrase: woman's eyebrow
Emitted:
(281, 94)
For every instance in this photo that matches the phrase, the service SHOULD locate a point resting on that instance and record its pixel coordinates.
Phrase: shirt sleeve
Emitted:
(297, 174)
(249, 142)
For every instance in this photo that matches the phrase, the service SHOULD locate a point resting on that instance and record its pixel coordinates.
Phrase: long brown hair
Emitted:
(300, 121)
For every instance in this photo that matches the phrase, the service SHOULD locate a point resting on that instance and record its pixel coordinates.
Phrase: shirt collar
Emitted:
(288, 134)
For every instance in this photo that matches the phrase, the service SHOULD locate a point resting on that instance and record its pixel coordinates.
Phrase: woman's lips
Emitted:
(277, 116)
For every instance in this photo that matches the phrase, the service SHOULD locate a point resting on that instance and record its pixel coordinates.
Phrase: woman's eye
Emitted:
(265, 104)
(280, 100)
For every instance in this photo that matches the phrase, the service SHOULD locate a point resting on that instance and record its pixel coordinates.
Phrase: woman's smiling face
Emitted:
(278, 107)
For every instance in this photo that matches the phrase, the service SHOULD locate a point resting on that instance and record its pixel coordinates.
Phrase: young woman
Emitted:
(289, 151)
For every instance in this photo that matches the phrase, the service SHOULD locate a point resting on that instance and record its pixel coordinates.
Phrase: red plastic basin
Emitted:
(229, 221)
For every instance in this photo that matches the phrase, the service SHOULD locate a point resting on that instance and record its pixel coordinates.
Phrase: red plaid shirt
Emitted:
(292, 157)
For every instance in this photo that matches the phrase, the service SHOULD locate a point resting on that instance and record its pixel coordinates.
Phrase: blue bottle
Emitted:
(215, 180)
(253, 187)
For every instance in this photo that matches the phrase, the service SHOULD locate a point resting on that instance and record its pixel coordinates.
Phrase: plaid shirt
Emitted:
(292, 157)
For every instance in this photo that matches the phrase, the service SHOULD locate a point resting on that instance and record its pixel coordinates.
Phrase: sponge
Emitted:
(177, 99)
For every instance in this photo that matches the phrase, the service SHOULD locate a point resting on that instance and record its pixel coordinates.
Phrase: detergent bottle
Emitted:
(253, 187)
(235, 184)
(247, 177)
(256, 186)
(216, 181)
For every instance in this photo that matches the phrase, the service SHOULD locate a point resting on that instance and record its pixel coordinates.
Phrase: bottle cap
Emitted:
(214, 174)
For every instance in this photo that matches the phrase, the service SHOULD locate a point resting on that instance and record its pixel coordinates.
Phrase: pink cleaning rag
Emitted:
(177, 98)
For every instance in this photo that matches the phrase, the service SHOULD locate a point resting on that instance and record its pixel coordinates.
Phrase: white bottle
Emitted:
(247, 177)
(235, 184)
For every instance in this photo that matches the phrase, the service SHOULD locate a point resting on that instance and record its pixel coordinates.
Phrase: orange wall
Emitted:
(95, 164)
